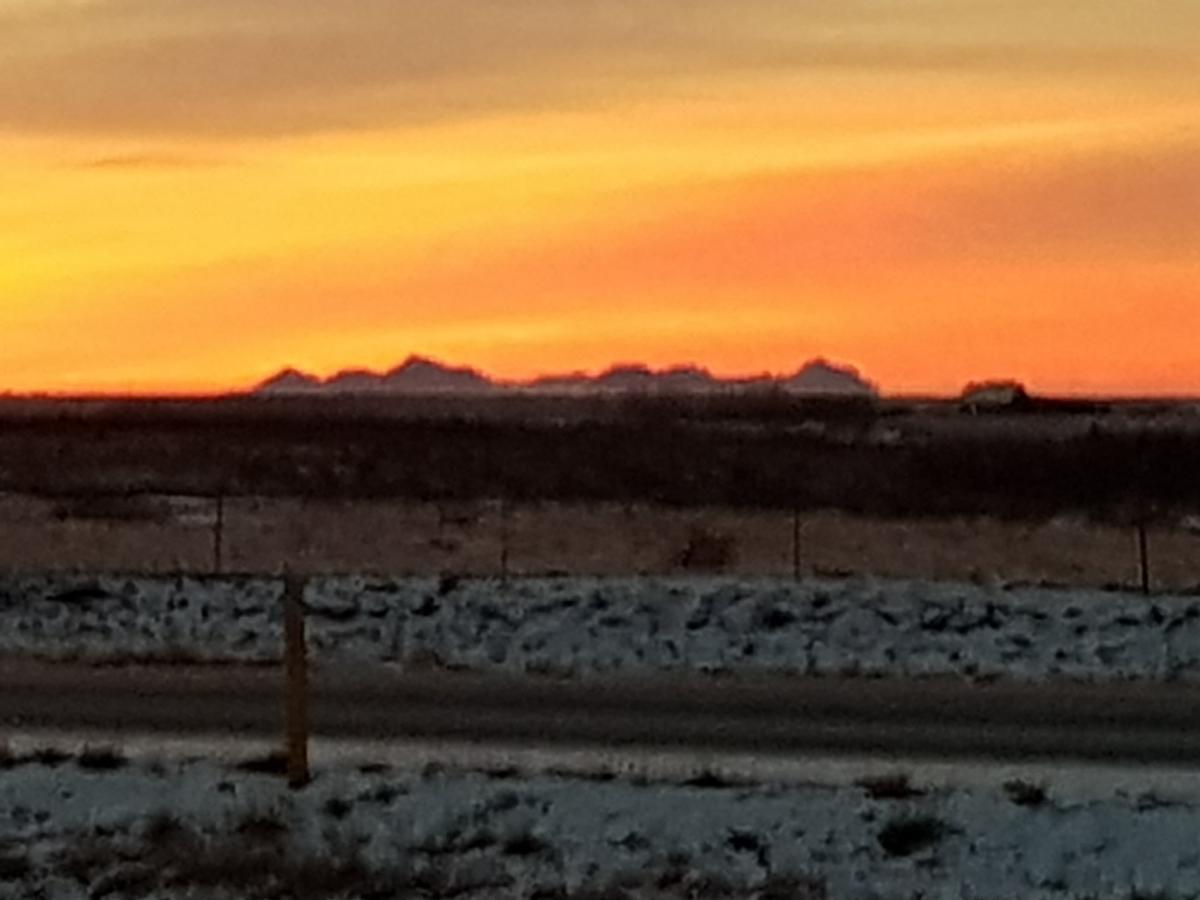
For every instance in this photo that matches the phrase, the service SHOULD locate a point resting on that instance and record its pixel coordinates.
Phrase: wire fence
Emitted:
(499, 538)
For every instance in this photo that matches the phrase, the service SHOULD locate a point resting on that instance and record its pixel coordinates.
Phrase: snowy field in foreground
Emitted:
(86, 828)
(582, 626)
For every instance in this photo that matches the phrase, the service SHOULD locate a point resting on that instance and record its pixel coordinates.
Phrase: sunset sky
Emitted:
(196, 193)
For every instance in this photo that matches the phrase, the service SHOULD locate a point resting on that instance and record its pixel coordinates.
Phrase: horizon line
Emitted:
(200, 396)
(254, 387)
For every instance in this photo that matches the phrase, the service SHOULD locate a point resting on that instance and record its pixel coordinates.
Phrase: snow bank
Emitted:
(66, 833)
(581, 626)
(141, 616)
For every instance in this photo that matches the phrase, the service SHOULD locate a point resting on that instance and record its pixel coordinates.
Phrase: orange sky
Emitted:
(195, 193)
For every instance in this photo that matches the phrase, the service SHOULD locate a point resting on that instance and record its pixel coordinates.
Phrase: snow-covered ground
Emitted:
(94, 828)
(582, 626)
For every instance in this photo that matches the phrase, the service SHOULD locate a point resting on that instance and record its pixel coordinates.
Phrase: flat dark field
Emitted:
(1104, 461)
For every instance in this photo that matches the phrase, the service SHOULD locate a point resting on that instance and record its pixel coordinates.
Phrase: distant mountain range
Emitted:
(419, 375)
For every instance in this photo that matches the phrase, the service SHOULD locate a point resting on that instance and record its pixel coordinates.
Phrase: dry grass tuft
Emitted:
(710, 780)
(271, 764)
(526, 844)
(794, 889)
(337, 808)
(707, 550)
(250, 860)
(897, 786)
(1025, 793)
(261, 828)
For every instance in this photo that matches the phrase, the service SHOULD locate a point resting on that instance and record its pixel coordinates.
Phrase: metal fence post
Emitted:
(296, 674)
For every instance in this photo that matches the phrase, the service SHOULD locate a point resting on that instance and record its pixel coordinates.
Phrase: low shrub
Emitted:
(14, 867)
(101, 759)
(49, 757)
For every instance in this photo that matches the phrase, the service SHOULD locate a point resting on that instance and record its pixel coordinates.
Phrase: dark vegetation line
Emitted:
(769, 452)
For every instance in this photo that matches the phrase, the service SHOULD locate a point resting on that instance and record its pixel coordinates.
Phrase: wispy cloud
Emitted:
(261, 67)
(150, 161)
(520, 182)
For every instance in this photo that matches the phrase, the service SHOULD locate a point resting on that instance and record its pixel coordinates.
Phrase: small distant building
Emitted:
(994, 396)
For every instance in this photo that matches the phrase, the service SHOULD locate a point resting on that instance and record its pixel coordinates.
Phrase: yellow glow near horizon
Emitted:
(937, 194)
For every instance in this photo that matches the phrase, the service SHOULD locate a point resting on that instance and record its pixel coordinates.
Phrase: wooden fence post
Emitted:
(219, 535)
(1143, 556)
(296, 674)
(503, 541)
(796, 543)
